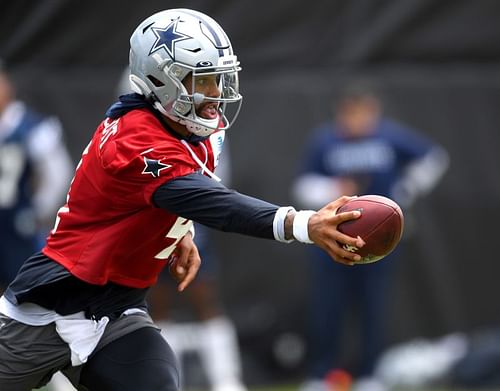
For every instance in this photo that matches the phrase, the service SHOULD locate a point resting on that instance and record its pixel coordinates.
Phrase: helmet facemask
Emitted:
(192, 108)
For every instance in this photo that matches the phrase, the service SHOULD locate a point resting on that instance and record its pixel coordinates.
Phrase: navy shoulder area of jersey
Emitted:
(127, 103)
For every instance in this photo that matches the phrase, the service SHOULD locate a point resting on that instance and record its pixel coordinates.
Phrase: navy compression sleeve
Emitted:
(204, 200)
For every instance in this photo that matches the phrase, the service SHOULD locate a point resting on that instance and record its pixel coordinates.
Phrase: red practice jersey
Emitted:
(109, 230)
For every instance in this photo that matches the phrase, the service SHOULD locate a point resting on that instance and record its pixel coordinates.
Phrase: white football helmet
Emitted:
(171, 44)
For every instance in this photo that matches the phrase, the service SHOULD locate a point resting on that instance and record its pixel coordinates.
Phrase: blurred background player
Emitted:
(35, 171)
(205, 329)
(358, 152)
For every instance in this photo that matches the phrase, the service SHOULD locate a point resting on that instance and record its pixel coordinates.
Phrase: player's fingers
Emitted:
(340, 259)
(334, 205)
(348, 256)
(349, 240)
(345, 216)
(172, 266)
(183, 257)
(191, 268)
(182, 253)
(176, 269)
(191, 271)
(342, 254)
(179, 264)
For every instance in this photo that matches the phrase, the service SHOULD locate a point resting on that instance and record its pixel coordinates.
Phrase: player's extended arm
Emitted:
(208, 202)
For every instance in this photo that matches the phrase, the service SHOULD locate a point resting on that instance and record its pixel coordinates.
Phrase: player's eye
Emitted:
(206, 80)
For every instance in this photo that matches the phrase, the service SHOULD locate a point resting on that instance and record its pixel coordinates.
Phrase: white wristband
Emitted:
(300, 223)
(279, 223)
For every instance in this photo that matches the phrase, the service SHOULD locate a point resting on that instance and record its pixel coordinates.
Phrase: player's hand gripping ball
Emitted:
(380, 226)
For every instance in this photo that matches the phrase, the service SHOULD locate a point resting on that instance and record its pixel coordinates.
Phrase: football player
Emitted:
(79, 305)
(360, 150)
(203, 327)
(35, 171)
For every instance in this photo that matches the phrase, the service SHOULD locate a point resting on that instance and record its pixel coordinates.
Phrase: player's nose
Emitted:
(213, 90)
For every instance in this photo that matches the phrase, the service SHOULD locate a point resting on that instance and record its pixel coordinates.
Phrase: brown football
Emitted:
(380, 226)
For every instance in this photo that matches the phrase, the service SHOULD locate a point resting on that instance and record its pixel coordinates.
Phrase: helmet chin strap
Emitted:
(198, 129)
(193, 127)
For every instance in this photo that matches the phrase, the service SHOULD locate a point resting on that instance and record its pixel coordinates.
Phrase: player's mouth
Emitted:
(208, 110)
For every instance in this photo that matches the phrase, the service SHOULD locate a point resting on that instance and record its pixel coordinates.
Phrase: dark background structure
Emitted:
(438, 66)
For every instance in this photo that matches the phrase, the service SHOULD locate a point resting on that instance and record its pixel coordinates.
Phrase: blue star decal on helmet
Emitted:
(154, 167)
(167, 37)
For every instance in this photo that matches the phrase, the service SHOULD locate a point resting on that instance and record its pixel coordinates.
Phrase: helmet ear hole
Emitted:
(155, 81)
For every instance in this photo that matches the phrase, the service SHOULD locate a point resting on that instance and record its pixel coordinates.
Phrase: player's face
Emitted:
(207, 85)
(359, 117)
